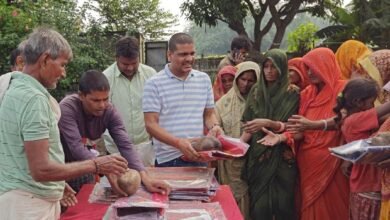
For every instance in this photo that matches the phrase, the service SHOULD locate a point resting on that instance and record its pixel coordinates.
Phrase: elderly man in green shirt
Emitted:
(127, 78)
(32, 168)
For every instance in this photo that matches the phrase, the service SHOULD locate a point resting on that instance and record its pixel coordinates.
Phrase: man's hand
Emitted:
(111, 164)
(69, 197)
(184, 145)
(113, 179)
(154, 185)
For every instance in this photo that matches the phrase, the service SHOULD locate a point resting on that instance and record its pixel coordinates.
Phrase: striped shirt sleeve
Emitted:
(151, 101)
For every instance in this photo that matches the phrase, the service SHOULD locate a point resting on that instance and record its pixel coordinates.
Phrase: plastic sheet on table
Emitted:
(184, 178)
(102, 194)
(142, 198)
(192, 211)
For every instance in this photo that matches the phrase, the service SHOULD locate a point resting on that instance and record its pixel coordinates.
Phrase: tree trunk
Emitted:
(278, 37)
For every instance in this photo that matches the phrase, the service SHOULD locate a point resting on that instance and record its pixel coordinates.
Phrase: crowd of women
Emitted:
(291, 112)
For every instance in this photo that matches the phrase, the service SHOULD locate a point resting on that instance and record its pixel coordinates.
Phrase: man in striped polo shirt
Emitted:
(177, 103)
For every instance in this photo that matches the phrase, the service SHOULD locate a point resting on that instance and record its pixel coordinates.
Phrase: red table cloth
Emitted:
(91, 211)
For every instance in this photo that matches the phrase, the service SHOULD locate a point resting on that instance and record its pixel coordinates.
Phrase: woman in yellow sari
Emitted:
(229, 111)
(348, 56)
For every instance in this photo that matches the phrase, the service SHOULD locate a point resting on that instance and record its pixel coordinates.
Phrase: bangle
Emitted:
(282, 127)
(96, 166)
(290, 141)
(325, 125)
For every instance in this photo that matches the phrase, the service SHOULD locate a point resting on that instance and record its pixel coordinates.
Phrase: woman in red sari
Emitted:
(223, 81)
(324, 189)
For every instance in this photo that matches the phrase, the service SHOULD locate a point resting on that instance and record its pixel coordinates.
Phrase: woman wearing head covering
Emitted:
(229, 111)
(224, 81)
(270, 172)
(297, 73)
(377, 66)
(348, 56)
(324, 189)
(379, 61)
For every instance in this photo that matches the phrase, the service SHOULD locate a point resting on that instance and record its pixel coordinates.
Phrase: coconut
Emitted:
(130, 181)
(206, 143)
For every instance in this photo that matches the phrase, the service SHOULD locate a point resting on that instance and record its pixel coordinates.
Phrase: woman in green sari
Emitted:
(270, 172)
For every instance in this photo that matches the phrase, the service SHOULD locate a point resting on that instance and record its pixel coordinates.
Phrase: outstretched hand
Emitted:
(270, 139)
(298, 123)
(215, 131)
(255, 125)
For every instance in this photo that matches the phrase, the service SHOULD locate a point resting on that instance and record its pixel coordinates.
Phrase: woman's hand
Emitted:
(215, 131)
(271, 139)
(255, 125)
(298, 123)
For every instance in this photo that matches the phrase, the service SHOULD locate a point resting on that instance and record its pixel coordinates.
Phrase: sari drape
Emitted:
(218, 89)
(271, 171)
(348, 56)
(324, 190)
(229, 111)
(377, 65)
(381, 60)
(297, 65)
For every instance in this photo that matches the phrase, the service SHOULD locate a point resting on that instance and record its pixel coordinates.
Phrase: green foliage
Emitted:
(302, 39)
(14, 25)
(368, 21)
(142, 16)
(91, 41)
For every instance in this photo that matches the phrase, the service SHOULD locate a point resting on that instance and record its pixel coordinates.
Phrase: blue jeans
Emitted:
(178, 162)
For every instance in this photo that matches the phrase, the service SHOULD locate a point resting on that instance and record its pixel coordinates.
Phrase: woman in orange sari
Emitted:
(324, 189)
(297, 73)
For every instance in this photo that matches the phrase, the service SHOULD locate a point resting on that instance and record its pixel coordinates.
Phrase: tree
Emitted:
(367, 21)
(143, 16)
(14, 25)
(234, 12)
(302, 39)
(216, 40)
(19, 18)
